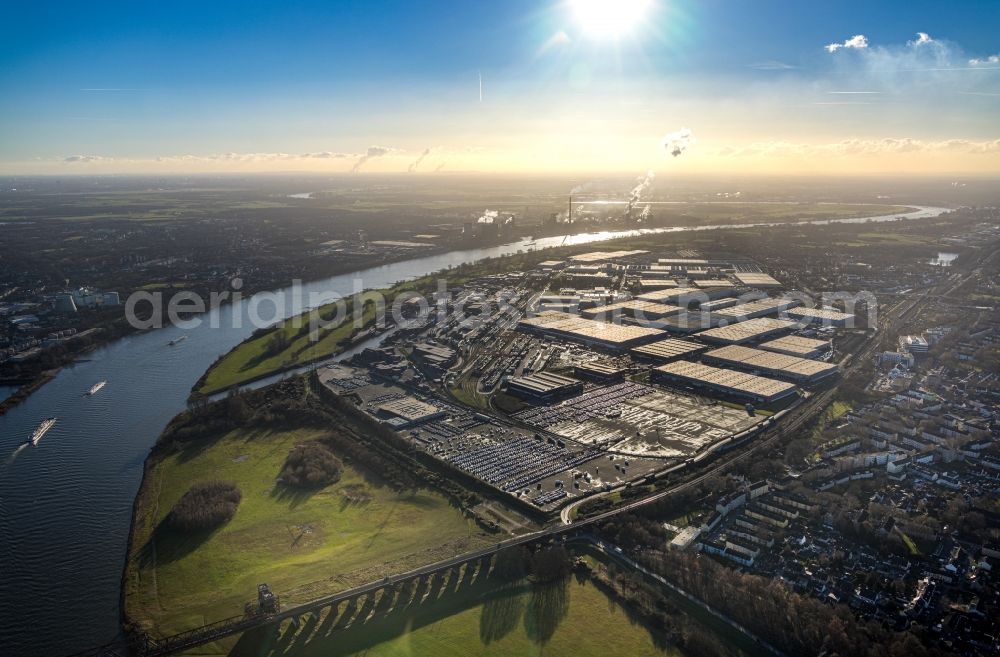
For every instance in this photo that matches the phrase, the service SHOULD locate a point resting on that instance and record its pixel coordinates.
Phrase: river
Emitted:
(7, 391)
(65, 505)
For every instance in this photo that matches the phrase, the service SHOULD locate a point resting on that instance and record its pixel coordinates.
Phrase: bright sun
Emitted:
(608, 19)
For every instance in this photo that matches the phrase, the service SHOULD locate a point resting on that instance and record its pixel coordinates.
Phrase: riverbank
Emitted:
(25, 390)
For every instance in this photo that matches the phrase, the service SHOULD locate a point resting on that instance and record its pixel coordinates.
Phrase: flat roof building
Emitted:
(544, 386)
(588, 331)
(914, 344)
(727, 382)
(695, 264)
(683, 262)
(712, 282)
(714, 292)
(602, 256)
(407, 412)
(656, 272)
(586, 279)
(686, 322)
(782, 366)
(752, 329)
(682, 296)
(757, 280)
(670, 295)
(822, 316)
(758, 308)
(562, 302)
(600, 371)
(636, 308)
(795, 345)
(649, 284)
(434, 356)
(552, 264)
(665, 351)
(717, 304)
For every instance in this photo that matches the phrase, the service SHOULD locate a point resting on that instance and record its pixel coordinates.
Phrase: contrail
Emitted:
(416, 163)
(480, 86)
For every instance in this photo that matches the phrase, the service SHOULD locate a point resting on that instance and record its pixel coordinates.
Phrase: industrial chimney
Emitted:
(569, 217)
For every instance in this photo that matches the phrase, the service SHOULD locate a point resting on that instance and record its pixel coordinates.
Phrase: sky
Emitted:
(547, 86)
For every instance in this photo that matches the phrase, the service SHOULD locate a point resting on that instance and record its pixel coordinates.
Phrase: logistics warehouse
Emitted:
(782, 366)
(588, 331)
(728, 382)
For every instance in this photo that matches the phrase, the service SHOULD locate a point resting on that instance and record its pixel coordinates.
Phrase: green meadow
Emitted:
(303, 544)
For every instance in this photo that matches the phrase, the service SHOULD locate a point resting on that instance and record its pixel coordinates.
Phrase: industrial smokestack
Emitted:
(569, 216)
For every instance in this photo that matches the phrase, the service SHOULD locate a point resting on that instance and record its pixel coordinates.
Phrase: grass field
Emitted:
(578, 620)
(253, 358)
(570, 618)
(836, 410)
(908, 542)
(303, 545)
(887, 238)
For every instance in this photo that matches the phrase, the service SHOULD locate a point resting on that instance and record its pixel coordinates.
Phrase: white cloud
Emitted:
(327, 155)
(212, 158)
(86, 158)
(858, 41)
(853, 147)
(980, 61)
(923, 65)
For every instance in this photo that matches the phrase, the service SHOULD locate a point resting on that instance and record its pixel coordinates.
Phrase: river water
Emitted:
(7, 391)
(65, 505)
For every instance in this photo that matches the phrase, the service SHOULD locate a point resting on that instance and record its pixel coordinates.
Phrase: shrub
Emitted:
(311, 465)
(206, 505)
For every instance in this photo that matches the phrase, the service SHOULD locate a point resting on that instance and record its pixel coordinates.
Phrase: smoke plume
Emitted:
(489, 217)
(416, 163)
(372, 152)
(679, 141)
(641, 188)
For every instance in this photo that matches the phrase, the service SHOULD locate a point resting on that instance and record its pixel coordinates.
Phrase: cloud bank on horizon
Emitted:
(851, 98)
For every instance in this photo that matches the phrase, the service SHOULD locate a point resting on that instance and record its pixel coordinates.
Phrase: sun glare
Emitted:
(608, 19)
